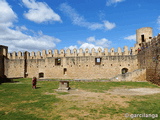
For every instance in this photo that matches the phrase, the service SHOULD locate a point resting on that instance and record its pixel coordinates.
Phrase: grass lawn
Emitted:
(18, 101)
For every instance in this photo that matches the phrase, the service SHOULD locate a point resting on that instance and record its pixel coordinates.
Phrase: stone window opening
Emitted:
(65, 71)
(58, 61)
(124, 70)
(41, 75)
(98, 61)
(142, 37)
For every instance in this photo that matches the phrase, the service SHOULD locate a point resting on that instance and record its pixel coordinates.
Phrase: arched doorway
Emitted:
(41, 75)
(124, 70)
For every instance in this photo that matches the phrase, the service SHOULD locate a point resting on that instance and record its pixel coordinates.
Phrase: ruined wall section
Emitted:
(149, 58)
(3, 55)
(76, 64)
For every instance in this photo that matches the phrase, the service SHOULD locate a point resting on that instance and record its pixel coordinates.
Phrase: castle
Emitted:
(113, 64)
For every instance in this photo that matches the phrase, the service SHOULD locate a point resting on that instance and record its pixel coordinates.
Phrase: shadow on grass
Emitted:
(6, 80)
(38, 87)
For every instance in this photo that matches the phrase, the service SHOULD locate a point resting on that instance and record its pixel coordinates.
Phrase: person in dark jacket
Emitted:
(34, 82)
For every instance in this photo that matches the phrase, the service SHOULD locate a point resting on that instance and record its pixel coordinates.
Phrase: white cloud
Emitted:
(21, 28)
(18, 41)
(80, 42)
(110, 2)
(94, 26)
(71, 47)
(109, 25)
(40, 12)
(80, 20)
(89, 46)
(7, 16)
(83, 46)
(14, 37)
(158, 22)
(103, 42)
(131, 37)
(91, 39)
(92, 42)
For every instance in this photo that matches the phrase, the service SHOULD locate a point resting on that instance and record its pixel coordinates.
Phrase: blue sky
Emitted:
(35, 25)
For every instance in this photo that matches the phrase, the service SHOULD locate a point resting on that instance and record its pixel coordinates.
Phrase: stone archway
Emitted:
(124, 70)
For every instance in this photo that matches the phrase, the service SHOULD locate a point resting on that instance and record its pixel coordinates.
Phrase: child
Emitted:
(34, 81)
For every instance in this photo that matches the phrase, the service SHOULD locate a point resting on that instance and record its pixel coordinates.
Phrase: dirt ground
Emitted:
(114, 98)
(135, 91)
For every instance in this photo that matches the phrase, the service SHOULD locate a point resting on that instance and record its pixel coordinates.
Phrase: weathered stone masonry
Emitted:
(84, 65)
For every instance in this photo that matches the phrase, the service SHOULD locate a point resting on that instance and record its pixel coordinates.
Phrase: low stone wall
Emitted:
(137, 75)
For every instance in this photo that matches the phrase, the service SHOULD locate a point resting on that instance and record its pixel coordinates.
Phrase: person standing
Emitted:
(34, 82)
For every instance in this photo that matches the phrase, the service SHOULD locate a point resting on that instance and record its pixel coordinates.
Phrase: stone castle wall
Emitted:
(3, 53)
(149, 58)
(76, 64)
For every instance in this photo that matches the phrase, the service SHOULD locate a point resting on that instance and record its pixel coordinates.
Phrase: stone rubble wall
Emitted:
(149, 59)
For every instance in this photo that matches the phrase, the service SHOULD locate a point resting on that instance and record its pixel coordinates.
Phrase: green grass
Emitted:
(103, 86)
(146, 104)
(20, 102)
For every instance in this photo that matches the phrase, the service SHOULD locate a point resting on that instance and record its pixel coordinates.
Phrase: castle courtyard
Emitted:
(84, 101)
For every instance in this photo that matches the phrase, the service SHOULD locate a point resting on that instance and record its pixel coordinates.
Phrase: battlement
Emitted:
(3, 50)
(72, 53)
(154, 42)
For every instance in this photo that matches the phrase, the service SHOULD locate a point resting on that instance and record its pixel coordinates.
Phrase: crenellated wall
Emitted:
(75, 64)
(68, 53)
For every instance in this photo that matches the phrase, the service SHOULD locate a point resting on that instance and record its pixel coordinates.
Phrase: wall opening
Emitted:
(142, 37)
(124, 70)
(98, 61)
(58, 61)
(41, 75)
(65, 71)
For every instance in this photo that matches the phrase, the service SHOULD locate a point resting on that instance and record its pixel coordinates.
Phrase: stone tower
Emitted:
(3, 54)
(143, 35)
